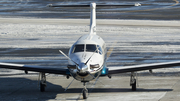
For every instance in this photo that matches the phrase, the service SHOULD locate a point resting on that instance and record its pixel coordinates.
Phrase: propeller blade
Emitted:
(90, 57)
(94, 77)
(64, 54)
(69, 85)
(67, 57)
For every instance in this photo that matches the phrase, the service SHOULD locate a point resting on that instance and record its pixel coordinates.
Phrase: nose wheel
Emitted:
(85, 94)
(85, 91)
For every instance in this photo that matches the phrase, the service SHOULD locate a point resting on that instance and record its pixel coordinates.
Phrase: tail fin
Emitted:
(93, 18)
(93, 12)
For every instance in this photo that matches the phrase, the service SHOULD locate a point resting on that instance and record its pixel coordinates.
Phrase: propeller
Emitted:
(94, 85)
(69, 85)
(68, 57)
(91, 56)
(96, 79)
(83, 66)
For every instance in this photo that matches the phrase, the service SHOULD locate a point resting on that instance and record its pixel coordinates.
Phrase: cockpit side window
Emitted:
(100, 49)
(78, 48)
(91, 48)
(71, 49)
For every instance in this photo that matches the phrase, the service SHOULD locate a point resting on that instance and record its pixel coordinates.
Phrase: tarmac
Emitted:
(133, 42)
(32, 34)
(149, 9)
(150, 88)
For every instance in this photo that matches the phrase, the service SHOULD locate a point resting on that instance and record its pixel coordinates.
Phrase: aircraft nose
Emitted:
(82, 68)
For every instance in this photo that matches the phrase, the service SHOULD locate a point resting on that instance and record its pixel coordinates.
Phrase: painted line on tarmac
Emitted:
(111, 50)
(177, 2)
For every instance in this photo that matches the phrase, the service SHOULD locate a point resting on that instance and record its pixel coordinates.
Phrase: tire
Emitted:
(134, 86)
(42, 87)
(84, 94)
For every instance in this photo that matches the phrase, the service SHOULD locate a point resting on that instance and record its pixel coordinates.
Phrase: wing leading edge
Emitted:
(34, 68)
(135, 68)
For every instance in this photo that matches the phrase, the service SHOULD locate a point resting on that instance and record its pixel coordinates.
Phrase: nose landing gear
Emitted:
(85, 91)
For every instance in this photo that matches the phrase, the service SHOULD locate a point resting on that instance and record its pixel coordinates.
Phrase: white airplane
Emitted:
(87, 60)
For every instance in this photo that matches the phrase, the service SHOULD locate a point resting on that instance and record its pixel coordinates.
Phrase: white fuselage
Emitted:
(89, 52)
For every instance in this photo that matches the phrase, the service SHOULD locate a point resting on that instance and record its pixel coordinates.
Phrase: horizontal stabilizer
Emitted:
(100, 5)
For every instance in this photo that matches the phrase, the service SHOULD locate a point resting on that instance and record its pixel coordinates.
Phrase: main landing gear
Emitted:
(42, 82)
(85, 91)
(133, 81)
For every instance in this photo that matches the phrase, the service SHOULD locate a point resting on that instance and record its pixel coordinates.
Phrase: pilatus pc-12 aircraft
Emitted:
(87, 59)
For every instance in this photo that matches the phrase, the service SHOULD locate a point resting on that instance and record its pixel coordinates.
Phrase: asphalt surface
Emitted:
(132, 45)
(25, 88)
(137, 43)
(150, 9)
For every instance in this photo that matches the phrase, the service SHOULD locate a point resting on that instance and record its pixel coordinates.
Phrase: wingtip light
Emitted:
(49, 5)
(137, 4)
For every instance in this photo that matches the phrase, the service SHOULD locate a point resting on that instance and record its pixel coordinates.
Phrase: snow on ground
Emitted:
(49, 33)
(127, 37)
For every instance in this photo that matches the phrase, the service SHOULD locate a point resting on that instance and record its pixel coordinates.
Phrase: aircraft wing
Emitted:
(34, 68)
(135, 68)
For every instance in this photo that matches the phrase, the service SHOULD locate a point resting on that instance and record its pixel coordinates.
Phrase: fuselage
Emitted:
(88, 54)
(88, 57)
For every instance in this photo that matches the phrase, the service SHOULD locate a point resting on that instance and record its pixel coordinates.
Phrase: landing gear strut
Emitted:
(85, 91)
(133, 81)
(42, 82)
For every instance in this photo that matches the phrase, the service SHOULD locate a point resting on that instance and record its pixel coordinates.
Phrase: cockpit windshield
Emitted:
(78, 48)
(91, 48)
(87, 48)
